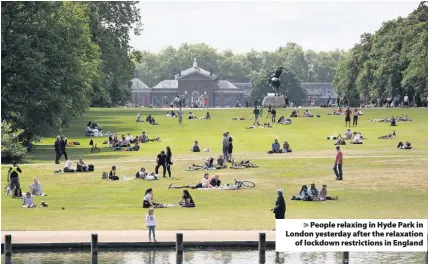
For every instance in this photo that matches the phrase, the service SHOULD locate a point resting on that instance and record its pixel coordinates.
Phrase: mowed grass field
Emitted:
(380, 181)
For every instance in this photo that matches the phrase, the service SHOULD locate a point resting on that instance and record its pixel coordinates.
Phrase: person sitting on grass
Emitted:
(323, 194)
(276, 148)
(313, 192)
(220, 161)
(148, 200)
(205, 183)
(136, 147)
(393, 122)
(36, 188)
(144, 138)
(112, 175)
(81, 166)
(139, 118)
(390, 136)
(209, 163)
(340, 140)
(286, 147)
(125, 143)
(191, 116)
(307, 114)
(153, 122)
(171, 114)
(408, 145)
(141, 174)
(357, 139)
(215, 182)
(186, 200)
(294, 114)
(303, 194)
(68, 165)
(28, 201)
(348, 134)
(195, 147)
(207, 116)
(149, 119)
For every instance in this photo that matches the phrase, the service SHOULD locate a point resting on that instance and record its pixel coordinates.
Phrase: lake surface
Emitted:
(213, 257)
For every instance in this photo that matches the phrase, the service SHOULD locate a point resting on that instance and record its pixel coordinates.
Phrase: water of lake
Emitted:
(212, 257)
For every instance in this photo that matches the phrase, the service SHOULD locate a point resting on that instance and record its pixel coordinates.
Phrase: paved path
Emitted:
(26, 237)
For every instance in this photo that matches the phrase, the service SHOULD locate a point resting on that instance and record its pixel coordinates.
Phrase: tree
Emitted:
(48, 64)
(11, 148)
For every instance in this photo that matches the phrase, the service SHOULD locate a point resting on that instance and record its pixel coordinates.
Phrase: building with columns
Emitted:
(194, 83)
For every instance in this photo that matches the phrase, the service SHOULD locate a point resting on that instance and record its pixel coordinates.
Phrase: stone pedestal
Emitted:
(275, 101)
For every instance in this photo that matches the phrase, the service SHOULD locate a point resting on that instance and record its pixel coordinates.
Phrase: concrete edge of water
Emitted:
(86, 246)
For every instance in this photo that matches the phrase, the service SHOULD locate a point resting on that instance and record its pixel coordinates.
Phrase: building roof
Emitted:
(138, 85)
(223, 84)
(237, 79)
(167, 84)
(196, 69)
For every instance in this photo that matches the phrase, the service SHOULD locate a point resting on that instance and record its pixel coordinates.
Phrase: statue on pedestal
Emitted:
(274, 80)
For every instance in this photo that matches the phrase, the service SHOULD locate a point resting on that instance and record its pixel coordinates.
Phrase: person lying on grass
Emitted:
(195, 147)
(284, 121)
(171, 114)
(36, 188)
(186, 200)
(215, 182)
(241, 118)
(408, 145)
(340, 141)
(136, 147)
(267, 125)
(141, 174)
(28, 201)
(390, 136)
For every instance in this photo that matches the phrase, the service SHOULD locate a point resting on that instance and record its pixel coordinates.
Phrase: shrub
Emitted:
(11, 148)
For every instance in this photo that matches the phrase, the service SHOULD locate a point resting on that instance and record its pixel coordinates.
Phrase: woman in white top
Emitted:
(148, 200)
(36, 188)
(205, 183)
(68, 165)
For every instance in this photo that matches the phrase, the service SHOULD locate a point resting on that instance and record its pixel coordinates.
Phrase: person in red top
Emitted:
(338, 164)
(348, 116)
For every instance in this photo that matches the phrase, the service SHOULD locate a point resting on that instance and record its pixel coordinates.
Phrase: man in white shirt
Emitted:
(129, 137)
(348, 134)
(406, 101)
(205, 183)
(68, 165)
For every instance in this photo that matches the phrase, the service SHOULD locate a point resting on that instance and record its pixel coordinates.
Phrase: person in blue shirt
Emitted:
(276, 148)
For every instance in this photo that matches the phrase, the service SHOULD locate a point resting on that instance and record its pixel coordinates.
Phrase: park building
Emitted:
(320, 92)
(194, 83)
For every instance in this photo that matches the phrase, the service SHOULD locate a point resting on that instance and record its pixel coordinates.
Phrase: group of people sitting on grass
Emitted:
(354, 137)
(312, 194)
(125, 142)
(151, 120)
(307, 113)
(210, 165)
(80, 167)
(185, 201)
(393, 120)
(211, 183)
(92, 129)
(276, 147)
(28, 201)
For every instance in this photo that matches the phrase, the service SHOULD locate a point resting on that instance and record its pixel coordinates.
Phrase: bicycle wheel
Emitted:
(6, 190)
(189, 169)
(248, 184)
(97, 150)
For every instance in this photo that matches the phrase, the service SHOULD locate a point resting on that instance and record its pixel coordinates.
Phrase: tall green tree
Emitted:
(48, 64)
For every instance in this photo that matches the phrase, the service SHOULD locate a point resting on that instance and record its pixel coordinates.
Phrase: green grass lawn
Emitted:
(380, 181)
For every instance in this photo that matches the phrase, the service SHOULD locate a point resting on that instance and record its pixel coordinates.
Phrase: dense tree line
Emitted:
(308, 66)
(58, 58)
(389, 64)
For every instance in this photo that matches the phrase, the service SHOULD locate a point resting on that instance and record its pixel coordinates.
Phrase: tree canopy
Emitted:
(58, 58)
(391, 63)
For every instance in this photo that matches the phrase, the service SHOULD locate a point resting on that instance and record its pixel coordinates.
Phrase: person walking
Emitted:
(168, 161)
(229, 147)
(161, 162)
(338, 164)
(13, 179)
(280, 207)
(355, 120)
(63, 147)
(256, 113)
(57, 146)
(273, 112)
(151, 224)
(348, 117)
(180, 115)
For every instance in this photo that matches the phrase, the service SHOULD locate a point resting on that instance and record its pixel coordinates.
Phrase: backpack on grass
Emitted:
(91, 167)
